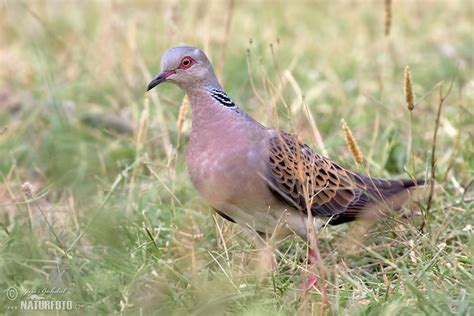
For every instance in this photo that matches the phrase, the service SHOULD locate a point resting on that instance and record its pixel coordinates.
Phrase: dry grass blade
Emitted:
(221, 59)
(441, 100)
(183, 110)
(27, 190)
(113, 187)
(410, 100)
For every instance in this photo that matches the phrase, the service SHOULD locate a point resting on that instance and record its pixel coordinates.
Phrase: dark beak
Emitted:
(156, 81)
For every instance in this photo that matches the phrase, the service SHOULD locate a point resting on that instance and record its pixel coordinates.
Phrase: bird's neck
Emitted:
(215, 115)
(210, 104)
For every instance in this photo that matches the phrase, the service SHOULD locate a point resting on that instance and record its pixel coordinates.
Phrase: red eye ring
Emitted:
(186, 62)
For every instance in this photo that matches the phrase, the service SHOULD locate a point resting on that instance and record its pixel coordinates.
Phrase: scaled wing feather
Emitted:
(306, 180)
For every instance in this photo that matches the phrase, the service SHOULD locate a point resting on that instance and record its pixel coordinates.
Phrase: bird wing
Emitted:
(306, 180)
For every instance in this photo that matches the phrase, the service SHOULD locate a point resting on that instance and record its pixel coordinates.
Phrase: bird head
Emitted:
(186, 67)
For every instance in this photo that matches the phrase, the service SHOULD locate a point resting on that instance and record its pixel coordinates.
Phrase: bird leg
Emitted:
(313, 254)
(312, 279)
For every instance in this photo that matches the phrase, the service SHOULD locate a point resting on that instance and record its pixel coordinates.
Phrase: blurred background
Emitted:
(94, 194)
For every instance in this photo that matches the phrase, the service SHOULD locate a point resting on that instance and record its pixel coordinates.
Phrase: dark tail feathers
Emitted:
(377, 190)
(389, 187)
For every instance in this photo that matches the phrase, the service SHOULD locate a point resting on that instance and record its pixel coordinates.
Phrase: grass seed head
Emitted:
(27, 189)
(388, 16)
(352, 143)
(409, 95)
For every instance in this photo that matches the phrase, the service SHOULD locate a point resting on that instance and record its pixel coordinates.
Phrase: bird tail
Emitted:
(385, 188)
(377, 196)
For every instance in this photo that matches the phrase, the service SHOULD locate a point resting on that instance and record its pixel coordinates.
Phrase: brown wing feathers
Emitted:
(306, 180)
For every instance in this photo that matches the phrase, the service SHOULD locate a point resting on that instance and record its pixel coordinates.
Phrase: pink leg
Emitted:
(312, 278)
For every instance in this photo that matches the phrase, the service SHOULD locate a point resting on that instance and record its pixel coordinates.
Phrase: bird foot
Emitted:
(311, 282)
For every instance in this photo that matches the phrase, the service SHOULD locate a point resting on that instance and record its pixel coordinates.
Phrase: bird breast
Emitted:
(226, 164)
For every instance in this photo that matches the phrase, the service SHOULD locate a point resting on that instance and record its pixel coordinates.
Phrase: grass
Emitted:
(113, 217)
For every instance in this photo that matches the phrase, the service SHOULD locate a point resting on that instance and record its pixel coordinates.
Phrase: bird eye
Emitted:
(186, 62)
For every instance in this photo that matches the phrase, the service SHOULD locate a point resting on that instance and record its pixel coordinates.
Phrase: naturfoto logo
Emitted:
(37, 299)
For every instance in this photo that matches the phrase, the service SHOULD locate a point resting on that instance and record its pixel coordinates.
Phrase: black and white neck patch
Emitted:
(221, 97)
